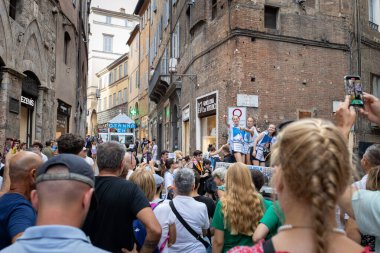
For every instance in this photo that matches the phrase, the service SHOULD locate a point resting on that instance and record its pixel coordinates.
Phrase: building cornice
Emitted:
(114, 64)
(134, 32)
(114, 13)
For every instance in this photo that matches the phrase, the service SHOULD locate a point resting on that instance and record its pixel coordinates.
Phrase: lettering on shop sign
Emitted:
(27, 101)
(207, 106)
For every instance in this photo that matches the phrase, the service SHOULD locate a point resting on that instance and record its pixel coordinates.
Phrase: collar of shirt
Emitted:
(53, 231)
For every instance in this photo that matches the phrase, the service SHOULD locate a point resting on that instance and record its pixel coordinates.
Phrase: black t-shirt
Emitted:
(229, 158)
(210, 204)
(109, 221)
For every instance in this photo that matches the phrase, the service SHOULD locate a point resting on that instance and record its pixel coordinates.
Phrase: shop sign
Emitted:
(27, 101)
(207, 106)
(64, 108)
(247, 100)
(241, 112)
(121, 127)
(186, 114)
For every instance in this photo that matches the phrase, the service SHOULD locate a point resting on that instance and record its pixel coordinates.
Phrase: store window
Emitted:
(207, 107)
(63, 118)
(29, 97)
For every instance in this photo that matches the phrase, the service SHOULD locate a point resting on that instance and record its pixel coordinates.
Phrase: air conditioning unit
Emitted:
(97, 93)
(173, 65)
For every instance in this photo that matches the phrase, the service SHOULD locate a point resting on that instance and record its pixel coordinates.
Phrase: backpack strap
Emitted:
(187, 226)
(268, 246)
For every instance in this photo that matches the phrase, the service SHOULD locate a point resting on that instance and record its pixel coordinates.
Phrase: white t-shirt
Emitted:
(169, 178)
(154, 152)
(361, 184)
(161, 212)
(195, 214)
(44, 157)
(89, 160)
(129, 174)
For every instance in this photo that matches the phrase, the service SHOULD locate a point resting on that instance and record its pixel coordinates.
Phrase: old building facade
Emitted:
(110, 28)
(43, 58)
(113, 87)
(275, 60)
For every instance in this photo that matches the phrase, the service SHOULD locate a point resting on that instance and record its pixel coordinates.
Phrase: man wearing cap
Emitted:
(62, 198)
(16, 211)
(119, 202)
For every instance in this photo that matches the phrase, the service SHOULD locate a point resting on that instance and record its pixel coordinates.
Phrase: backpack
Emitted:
(139, 232)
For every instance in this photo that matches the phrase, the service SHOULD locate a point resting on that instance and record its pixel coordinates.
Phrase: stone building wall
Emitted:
(29, 48)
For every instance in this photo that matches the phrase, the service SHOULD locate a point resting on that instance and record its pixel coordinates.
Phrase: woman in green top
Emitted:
(238, 212)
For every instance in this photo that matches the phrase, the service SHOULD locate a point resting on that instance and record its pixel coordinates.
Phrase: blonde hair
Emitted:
(145, 181)
(315, 163)
(241, 204)
(373, 180)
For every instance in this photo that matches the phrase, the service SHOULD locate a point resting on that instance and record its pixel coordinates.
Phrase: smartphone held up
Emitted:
(354, 89)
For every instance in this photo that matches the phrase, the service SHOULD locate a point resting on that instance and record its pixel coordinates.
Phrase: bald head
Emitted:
(129, 161)
(21, 164)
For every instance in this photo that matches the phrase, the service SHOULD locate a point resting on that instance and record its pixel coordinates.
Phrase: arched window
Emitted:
(66, 48)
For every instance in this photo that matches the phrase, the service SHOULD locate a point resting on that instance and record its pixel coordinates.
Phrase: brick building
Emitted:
(43, 60)
(280, 60)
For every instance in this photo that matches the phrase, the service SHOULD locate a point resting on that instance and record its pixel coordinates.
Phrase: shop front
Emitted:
(206, 121)
(26, 118)
(29, 96)
(186, 130)
(63, 118)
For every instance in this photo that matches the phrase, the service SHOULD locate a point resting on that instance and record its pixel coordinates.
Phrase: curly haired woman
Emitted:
(312, 170)
(238, 212)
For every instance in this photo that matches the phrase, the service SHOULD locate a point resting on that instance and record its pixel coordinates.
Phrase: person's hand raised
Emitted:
(371, 109)
(345, 116)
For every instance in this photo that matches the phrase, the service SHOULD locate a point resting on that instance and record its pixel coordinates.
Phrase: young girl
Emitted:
(250, 134)
(312, 169)
(261, 144)
(235, 138)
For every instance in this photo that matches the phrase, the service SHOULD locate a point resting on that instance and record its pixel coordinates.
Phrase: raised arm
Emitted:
(371, 109)
(153, 229)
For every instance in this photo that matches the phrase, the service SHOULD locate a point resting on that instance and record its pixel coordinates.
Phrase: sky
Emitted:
(115, 5)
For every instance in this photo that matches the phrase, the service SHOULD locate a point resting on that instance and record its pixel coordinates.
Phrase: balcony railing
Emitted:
(159, 81)
(373, 26)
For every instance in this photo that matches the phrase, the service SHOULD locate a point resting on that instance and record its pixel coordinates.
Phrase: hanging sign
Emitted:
(121, 127)
(207, 106)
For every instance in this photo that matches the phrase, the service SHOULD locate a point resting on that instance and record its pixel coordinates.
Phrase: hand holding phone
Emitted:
(354, 89)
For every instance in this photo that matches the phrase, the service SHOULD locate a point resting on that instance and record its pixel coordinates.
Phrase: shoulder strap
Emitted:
(268, 246)
(187, 226)
(157, 204)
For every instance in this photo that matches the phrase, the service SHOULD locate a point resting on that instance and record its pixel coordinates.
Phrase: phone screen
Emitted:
(354, 88)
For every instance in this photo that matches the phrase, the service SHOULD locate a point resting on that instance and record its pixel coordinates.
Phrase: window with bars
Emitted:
(374, 14)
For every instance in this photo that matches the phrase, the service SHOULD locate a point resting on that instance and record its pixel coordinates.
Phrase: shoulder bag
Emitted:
(188, 228)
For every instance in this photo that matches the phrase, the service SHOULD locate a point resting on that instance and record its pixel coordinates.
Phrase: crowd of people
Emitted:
(168, 202)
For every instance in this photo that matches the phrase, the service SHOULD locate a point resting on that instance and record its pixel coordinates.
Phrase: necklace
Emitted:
(290, 227)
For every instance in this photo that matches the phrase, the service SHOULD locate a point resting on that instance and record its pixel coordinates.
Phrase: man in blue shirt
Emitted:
(16, 211)
(62, 197)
